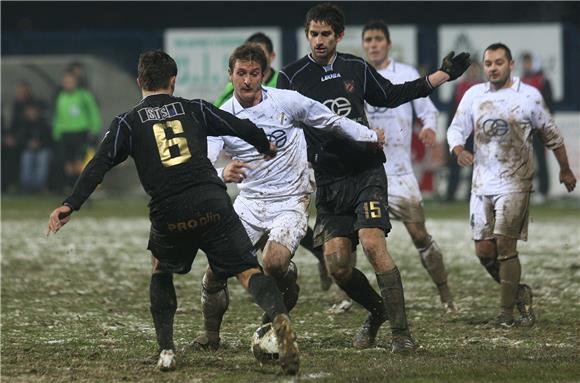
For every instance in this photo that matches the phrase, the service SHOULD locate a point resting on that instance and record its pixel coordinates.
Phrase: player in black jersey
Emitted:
(351, 181)
(189, 207)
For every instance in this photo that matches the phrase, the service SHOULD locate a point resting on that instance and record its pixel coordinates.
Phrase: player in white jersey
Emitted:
(404, 197)
(274, 195)
(503, 114)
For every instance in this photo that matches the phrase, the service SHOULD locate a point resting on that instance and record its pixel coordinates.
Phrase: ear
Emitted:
(340, 37)
(272, 57)
(138, 83)
(172, 81)
(230, 73)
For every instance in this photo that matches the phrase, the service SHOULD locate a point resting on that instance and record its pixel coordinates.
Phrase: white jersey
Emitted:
(282, 114)
(503, 122)
(398, 122)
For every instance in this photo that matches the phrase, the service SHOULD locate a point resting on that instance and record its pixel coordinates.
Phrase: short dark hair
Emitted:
(261, 38)
(378, 25)
(496, 46)
(327, 13)
(155, 70)
(248, 52)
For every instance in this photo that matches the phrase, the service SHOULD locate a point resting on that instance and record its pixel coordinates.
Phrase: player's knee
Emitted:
(211, 284)
(341, 274)
(486, 250)
(373, 245)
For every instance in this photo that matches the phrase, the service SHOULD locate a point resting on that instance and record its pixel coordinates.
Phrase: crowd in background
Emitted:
(46, 143)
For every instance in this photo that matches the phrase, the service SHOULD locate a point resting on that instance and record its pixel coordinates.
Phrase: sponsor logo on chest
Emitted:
(329, 76)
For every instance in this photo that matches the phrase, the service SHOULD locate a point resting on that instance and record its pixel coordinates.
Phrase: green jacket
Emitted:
(76, 112)
(229, 89)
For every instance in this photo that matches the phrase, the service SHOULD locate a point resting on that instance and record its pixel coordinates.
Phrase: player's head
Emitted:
(530, 64)
(69, 81)
(324, 28)
(22, 91)
(265, 43)
(376, 41)
(246, 69)
(497, 64)
(156, 71)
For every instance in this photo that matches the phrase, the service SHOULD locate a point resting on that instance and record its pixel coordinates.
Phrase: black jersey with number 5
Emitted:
(167, 138)
(344, 86)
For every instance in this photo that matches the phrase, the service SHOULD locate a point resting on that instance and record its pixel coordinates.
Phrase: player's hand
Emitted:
(428, 137)
(271, 153)
(235, 171)
(455, 66)
(465, 158)
(58, 218)
(380, 137)
(567, 178)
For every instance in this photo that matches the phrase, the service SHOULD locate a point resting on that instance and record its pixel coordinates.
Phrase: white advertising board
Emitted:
(544, 41)
(202, 57)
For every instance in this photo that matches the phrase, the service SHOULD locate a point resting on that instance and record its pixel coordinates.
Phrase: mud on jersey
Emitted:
(503, 122)
(344, 86)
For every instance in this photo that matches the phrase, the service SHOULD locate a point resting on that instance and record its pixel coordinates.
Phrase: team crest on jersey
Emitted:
(348, 85)
(278, 137)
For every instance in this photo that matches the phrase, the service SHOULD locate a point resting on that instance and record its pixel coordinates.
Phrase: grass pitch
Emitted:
(75, 307)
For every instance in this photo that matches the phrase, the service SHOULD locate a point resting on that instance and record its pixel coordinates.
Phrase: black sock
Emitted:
(163, 307)
(392, 291)
(266, 294)
(308, 243)
(492, 267)
(288, 286)
(360, 290)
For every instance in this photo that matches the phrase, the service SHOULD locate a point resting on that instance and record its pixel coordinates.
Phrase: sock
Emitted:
(360, 290)
(432, 260)
(163, 307)
(214, 303)
(510, 272)
(393, 295)
(288, 286)
(265, 293)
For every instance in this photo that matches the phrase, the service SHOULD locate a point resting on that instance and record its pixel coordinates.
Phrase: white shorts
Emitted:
(404, 198)
(503, 214)
(284, 221)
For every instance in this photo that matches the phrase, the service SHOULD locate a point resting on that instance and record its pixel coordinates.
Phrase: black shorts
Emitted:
(353, 203)
(201, 218)
(74, 146)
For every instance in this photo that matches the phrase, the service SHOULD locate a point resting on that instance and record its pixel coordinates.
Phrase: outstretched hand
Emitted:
(58, 218)
(455, 66)
(235, 171)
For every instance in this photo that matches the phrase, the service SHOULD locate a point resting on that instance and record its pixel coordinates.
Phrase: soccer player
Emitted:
(189, 207)
(404, 196)
(274, 195)
(504, 113)
(270, 77)
(350, 178)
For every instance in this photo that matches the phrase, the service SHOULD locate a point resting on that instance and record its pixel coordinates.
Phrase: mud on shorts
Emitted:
(503, 214)
(201, 218)
(404, 198)
(282, 220)
(350, 204)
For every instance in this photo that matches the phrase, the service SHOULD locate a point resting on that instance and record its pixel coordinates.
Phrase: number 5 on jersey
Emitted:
(372, 209)
(173, 151)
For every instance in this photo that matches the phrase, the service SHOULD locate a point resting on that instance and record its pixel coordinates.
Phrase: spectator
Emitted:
(471, 77)
(77, 121)
(11, 146)
(532, 74)
(36, 140)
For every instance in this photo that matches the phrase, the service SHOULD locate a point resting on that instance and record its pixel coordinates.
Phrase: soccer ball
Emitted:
(265, 344)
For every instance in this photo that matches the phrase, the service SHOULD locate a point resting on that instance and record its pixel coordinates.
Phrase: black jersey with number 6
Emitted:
(167, 138)
(344, 86)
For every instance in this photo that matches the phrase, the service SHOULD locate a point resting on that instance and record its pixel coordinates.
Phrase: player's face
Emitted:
(376, 46)
(247, 79)
(497, 67)
(322, 41)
